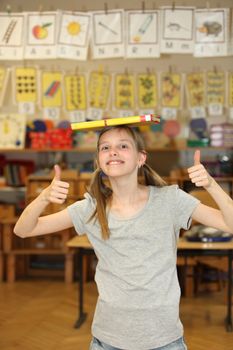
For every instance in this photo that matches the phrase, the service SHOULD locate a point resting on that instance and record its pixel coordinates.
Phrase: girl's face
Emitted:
(118, 155)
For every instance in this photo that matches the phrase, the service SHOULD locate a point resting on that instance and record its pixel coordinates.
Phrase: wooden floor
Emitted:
(39, 315)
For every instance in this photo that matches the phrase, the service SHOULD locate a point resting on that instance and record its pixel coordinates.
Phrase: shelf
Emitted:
(92, 150)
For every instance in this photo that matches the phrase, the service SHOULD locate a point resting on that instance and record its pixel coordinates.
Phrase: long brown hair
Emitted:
(100, 189)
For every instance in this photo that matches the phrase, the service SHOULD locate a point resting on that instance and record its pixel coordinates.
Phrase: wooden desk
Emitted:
(185, 248)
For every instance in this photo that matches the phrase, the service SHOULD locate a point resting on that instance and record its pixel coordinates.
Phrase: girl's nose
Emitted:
(113, 152)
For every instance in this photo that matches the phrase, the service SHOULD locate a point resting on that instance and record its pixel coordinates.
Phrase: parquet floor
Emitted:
(39, 315)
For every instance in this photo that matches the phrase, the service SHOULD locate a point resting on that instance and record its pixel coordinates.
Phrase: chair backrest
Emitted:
(205, 198)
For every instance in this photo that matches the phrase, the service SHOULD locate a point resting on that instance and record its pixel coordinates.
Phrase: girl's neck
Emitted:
(126, 192)
(128, 199)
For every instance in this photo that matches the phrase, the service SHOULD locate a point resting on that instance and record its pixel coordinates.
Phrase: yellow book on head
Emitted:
(97, 124)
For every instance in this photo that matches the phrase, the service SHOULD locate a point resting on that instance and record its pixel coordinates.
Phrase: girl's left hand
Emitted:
(198, 174)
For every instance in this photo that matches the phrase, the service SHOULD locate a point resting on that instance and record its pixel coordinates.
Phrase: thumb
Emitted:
(197, 157)
(57, 171)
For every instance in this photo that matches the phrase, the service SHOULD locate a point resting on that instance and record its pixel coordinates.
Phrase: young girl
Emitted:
(133, 227)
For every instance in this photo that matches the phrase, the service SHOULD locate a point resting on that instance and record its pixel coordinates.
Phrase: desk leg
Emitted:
(229, 294)
(82, 315)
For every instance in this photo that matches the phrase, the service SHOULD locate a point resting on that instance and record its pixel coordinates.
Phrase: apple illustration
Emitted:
(40, 31)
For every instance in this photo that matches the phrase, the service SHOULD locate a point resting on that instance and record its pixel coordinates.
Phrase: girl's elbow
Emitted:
(19, 233)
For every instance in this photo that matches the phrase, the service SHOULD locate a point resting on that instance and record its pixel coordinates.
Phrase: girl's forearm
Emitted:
(29, 217)
(223, 200)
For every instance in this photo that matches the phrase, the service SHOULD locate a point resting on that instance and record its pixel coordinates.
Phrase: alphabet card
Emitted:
(147, 93)
(124, 94)
(108, 34)
(171, 90)
(25, 88)
(215, 92)
(51, 94)
(99, 94)
(74, 34)
(230, 93)
(177, 35)
(12, 36)
(212, 32)
(41, 35)
(4, 76)
(195, 88)
(75, 96)
(142, 34)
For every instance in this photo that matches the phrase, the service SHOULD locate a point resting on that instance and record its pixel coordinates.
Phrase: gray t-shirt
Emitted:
(139, 293)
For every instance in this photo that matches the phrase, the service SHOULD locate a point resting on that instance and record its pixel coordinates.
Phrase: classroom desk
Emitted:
(187, 249)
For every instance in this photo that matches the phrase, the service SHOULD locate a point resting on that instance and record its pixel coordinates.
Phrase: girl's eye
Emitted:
(104, 148)
(123, 145)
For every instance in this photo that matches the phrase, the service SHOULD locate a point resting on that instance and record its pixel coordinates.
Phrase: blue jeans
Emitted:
(175, 345)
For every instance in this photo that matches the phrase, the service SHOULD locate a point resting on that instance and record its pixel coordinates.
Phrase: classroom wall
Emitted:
(178, 62)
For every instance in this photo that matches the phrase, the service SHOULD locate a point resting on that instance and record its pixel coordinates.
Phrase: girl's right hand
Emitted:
(57, 191)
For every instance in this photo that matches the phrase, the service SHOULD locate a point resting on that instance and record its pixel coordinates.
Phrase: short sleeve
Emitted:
(80, 213)
(183, 207)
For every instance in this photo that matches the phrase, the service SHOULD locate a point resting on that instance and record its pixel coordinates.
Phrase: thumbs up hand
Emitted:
(198, 174)
(57, 191)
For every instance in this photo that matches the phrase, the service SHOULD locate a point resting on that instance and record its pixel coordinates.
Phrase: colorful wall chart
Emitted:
(12, 31)
(147, 91)
(211, 29)
(195, 83)
(4, 75)
(74, 34)
(99, 87)
(230, 89)
(41, 35)
(215, 89)
(171, 90)
(177, 34)
(51, 89)
(124, 91)
(25, 84)
(108, 34)
(75, 92)
(142, 34)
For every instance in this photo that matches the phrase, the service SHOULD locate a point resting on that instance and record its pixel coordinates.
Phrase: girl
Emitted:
(133, 227)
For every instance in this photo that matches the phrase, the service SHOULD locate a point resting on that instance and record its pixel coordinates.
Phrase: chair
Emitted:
(208, 270)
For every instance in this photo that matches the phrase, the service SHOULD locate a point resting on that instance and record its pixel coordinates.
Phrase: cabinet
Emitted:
(38, 256)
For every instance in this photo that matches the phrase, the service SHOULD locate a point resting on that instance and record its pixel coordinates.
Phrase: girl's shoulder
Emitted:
(167, 189)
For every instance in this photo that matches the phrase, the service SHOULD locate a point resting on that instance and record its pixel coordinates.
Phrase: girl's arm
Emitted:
(221, 219)
(31, 224)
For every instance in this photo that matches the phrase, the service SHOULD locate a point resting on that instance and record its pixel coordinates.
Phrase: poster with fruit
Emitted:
(147, 93)
(177, 29)
(74, 34)
(75, 95)
(212, 32)
(124, 94)
(171, 90)
(215, 91)
(12, 36)
(41, 35)
(142, 34)
(4, 76)
(99, 94)
(108, 34)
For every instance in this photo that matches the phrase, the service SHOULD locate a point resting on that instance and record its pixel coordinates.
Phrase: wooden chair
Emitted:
(208, 265)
